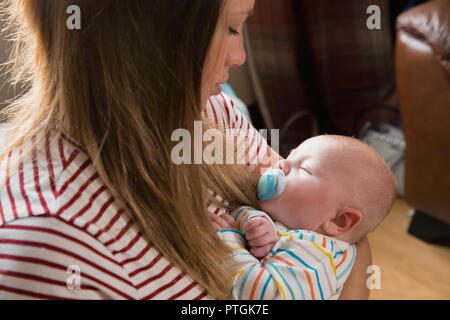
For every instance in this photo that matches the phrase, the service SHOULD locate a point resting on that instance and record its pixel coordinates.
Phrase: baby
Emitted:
(328, 194)
(333, 185)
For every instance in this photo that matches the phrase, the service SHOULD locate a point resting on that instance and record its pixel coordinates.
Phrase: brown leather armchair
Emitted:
(423, 83)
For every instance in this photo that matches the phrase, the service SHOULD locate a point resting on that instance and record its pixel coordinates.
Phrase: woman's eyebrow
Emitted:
(246, 13)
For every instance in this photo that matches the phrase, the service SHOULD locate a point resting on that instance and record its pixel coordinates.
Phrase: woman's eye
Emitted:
(233, 32)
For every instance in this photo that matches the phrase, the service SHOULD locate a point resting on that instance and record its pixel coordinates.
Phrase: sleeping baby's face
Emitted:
(315, 183)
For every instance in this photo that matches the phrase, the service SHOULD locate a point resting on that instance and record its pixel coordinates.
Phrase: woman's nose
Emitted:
(236, 56)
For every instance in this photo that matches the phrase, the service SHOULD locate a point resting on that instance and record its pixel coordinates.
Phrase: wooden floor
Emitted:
(409, 267)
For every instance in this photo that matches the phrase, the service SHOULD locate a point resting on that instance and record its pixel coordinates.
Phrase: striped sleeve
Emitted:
(46, 258)
(243, 214)
(63, 236)
(252, 148)
(302, 266)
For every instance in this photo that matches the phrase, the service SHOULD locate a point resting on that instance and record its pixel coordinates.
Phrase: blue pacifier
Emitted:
(271, 184)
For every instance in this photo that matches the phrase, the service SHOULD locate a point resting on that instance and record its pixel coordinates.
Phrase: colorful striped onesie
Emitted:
(302, 265)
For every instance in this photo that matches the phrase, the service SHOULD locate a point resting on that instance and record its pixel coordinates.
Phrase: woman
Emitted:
(92, 206)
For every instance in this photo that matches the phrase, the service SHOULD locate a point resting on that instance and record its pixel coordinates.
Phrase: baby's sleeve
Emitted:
(303, 265)
(244, 214)
(344, 260)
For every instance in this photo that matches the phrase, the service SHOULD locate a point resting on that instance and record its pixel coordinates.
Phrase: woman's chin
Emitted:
(217, 90)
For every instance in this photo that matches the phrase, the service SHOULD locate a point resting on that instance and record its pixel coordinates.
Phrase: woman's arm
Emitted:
(47, 258)
(355, 287)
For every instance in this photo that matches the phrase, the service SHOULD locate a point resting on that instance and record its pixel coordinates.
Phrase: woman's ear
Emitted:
(345, 220)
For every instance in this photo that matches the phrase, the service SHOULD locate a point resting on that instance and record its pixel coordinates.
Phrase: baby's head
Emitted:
(335, 185)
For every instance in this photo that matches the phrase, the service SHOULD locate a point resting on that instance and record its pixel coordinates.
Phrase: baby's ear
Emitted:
(345, 220)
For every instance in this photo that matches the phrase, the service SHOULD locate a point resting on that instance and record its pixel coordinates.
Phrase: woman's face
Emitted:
(227, 47)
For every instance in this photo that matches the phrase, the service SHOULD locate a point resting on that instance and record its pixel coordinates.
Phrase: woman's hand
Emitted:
(355, 288)
(223, 221)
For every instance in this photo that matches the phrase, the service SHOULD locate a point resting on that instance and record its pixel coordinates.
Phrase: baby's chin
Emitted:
(270, 207)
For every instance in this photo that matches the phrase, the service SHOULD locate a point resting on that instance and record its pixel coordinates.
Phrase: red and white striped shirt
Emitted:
(60, 226)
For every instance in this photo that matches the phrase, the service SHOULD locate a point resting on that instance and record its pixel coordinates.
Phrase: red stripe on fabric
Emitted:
(66, 162)
(151, 279)
(252, 142)
(119, 236)
(2, 216)
(30, 276)
(130, 244)
(110, 224)
(72, 141)
(75, 175)
(259, 145)
(100, 213)
(64, 268)
(61, 152)
(179, 294)
(37, 184)
(147, 267)
(89, 204)
(223, 121)
(8, 187)
(22, 186)
(62, 235)
(164, 287)
(65, 252)
(139, 256)
(31, 293)
(200, 296)
(208, 204)
(72, 157)
(227, 109)
(78, 194)
(50, 165)
(214, 112)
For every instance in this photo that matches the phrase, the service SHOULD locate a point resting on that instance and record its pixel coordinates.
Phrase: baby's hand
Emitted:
(261, 236)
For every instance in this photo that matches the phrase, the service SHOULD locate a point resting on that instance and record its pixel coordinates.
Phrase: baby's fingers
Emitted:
(261, 252)
(263, 240)
(257, 227)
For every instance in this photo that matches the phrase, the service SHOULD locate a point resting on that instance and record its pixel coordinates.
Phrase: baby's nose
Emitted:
(284, 166)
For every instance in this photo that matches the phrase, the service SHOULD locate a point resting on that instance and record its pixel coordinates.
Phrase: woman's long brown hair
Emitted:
(119, 86)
